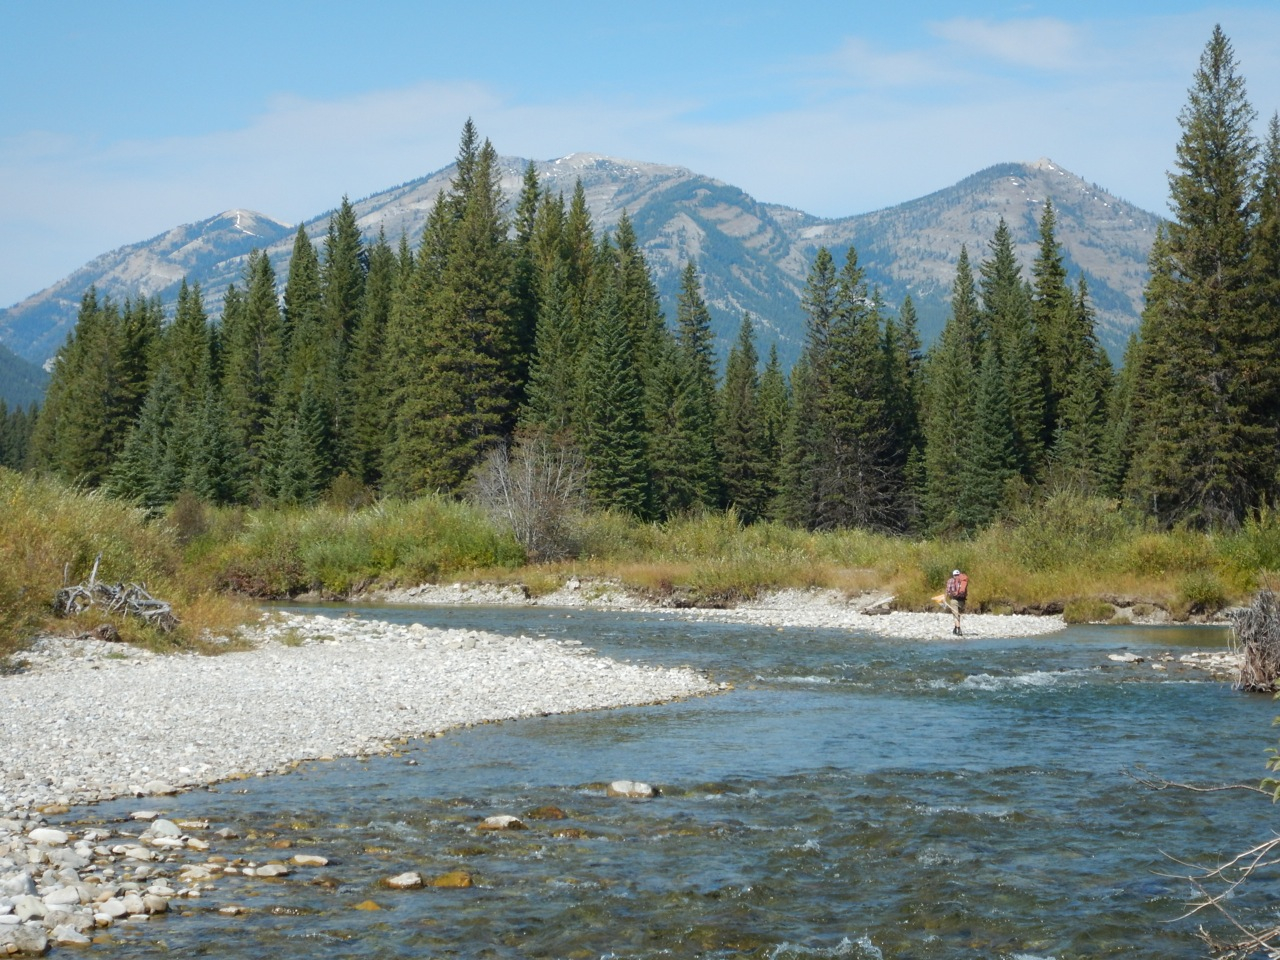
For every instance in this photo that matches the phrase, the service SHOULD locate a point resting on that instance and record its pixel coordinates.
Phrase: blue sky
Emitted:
(120, 120)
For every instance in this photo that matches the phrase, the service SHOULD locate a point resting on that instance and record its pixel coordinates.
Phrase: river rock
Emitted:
(154, 903)
(133, 904)
(404, 881)
(632, 789)
(453, 880)
(310, 860)
(29, 907)
(20, 884)
(502, 821)
(48, 835)
(63, 896)
(68, 936)
(24, 939)
(113, 907)
(272, 870)
(164, 828)
(546, 813)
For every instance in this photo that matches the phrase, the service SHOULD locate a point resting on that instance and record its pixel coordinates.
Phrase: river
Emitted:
(852, 797)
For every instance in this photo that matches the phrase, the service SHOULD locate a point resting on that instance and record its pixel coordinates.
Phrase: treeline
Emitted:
(392, 372)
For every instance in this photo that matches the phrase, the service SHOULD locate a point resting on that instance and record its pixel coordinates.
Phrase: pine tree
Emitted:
(950, 399)
(857, 483)
(342, 286)
(365, 383)
(253, 367)
(1008, 317)
(1051, 308)
(775, 412)
(90, 397)
(695, 344)
(1205, 448)
(991, 456)
(740, 437)
(902, 386)
(614, 438)
(800, 495)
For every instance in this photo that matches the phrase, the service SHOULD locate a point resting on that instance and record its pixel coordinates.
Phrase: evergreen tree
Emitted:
(857, 481)
(614, 436)
(740, 431)
(775, 412)
(253, 367)
(800, 497)
(342, 285)
(1205, 444)
(554, 391)
(695, 343)
(365, 382)
(991, 456)
(1051, 308)
(217, 468)
(1008, 317)
(90, 397)
(951, 376)
(149, 470)
(902, 375)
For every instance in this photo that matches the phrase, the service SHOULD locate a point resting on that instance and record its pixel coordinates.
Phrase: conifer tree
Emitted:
(902, 374)
(775, 412)
(89, 398)
(1205, 447)
(614, 438)
(800, 496)
(253, 365)
(857, 482)
(342, 283)
(740, 431)
(951, 376)
(554, 392)
(1051, 308)
(1008, 317)
(694, 342)
(364, 385)
(991, 457)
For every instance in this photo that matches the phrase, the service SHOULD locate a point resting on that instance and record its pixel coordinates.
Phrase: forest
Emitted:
(532, 355)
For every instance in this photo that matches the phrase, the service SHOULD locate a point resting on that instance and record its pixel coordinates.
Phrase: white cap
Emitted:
(955, 573)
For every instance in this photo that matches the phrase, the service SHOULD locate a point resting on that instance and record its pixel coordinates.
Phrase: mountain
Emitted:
(38, 326)
(22, 383)
(753, 256)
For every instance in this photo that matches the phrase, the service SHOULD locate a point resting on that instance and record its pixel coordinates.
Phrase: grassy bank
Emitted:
(1070, 553)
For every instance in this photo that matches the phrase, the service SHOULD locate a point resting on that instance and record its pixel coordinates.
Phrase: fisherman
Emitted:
(957, 592)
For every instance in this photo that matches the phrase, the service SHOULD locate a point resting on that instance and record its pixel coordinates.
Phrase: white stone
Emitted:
(310, 860)
(67, 935)
(405, 881)
(62, 897)
(48, 835)
(633, 789)
(164, 828)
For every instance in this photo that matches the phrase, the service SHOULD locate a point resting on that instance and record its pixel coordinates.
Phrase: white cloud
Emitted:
(1043, 43)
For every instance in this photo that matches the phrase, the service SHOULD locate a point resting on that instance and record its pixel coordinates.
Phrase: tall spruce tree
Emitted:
(775, 412)
(253, 339)
(364, 385)
(1007, 311)
(800, 496)
(1205, 444)
(950, 394)
(614, 437)
(740, 430)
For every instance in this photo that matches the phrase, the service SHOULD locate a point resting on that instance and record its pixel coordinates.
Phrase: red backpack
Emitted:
(958, 586)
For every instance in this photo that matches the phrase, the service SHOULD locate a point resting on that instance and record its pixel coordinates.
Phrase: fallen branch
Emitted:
(129, 598)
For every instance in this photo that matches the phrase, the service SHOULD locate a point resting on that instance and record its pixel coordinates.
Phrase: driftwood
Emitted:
(130, 598)
(1255, 634)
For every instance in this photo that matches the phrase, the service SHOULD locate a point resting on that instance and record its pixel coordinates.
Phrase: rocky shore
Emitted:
(824, 609)
(85, 720)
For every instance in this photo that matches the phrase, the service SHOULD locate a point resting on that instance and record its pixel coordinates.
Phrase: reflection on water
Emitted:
(853, 797)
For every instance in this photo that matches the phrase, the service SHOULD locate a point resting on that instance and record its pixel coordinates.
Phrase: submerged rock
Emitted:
(502, 821)
(632, 789)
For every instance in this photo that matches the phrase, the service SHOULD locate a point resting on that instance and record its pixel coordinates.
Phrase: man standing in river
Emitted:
(957, 593)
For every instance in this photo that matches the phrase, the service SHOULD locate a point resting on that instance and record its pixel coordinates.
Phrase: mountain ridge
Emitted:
(753, 256)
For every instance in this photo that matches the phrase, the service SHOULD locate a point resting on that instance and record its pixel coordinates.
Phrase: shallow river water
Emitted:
(852, 797)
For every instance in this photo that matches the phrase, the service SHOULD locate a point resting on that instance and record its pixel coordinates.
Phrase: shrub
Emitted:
(1087, 610)
(1202, 591)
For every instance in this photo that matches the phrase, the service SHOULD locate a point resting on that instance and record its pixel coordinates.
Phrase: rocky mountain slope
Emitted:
(753, 256)
(22, 383)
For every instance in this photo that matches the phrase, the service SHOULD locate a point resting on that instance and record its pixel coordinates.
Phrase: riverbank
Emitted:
(816, 608)
(89, 720)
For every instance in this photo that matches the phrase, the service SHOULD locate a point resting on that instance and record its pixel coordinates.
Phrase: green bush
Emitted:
(1202, 591)
(1087, 610)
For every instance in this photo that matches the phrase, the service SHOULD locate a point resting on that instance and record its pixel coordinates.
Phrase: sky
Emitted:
(120, 120)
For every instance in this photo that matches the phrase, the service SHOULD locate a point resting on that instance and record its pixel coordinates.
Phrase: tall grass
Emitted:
(1067, 549)
(50, 535)
(281, 553)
